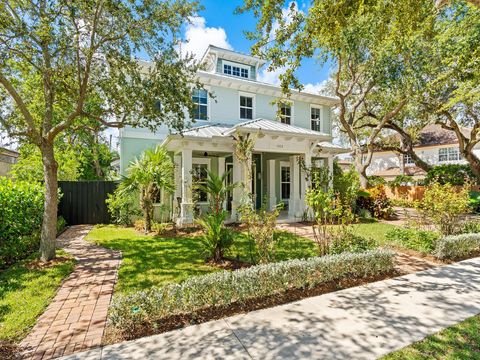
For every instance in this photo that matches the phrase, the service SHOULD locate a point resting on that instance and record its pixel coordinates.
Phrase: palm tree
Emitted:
(217, 189)
(149, 174)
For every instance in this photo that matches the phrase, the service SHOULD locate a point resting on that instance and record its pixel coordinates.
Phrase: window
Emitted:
(285, 182)
(407, 159)
(315, 118)
(285, 113)
(200, 98)
(246, 107)
(239, 71)
(199, 177)
(448, 154)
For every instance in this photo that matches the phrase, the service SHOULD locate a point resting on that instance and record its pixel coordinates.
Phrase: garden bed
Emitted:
(218, 312)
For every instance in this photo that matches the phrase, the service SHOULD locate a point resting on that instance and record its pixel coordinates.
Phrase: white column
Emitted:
(221, 171)
(177, 195)
(294, 188)
(186, 213)
(330, 170)
(272, 195)
(304, 182)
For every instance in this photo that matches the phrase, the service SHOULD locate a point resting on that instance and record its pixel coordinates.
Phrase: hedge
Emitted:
(228, 287)
(419, 240)
(21, 211)
(457, 247)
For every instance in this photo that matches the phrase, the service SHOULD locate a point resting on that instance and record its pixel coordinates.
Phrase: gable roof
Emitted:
(434, 134)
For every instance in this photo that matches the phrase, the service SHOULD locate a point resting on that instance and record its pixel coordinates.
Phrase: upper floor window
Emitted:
(200, 99)
(246, 107)
(234, 70)
(407, 159)
(286, 113)
(315, 118)
(448, 154)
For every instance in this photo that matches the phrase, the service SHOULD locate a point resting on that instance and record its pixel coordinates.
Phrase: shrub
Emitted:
(159, 228)
(346, 185)
(217, 238)
(376, 202)
(139, 225)
(401, 180)
(419, 240)
(375, 180)
(61, 224)
(123, 206)
(349, 242)
(453, 174)
(471, 227)
(21, 212)
(474, 201)
(457, 247)
(444, 205)
(146, 308)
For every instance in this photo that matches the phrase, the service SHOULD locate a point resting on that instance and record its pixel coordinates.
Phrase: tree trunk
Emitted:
(96, 161)
(474, 163)
(49, 223)
(361, 169)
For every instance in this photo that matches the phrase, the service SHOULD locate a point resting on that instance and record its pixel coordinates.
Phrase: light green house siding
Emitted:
(130, 148)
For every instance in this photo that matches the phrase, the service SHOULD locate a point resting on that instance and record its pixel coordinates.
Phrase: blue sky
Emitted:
(217, 24)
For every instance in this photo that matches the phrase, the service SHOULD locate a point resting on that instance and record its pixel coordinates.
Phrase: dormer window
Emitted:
(235, 70)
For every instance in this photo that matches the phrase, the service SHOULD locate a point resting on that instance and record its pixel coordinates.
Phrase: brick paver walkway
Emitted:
(75, 319)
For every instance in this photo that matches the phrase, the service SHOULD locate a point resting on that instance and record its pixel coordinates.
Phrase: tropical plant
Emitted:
(217, 238)
(123, 206)
(444, 206)
(346, 185)
(217, 189)
(148, 175)
(69, 65)
(261, 226)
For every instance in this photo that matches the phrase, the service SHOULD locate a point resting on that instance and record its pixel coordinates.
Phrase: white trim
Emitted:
(238, 65)
(209, 107)
(292, 110)
(201, 161)
(321, 119)
(254, 104)
(285, 164)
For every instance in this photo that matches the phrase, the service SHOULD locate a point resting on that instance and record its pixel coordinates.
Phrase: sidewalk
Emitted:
(364, 322)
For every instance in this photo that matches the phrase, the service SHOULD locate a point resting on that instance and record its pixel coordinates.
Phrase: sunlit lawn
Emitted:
(156, 260)
(461, 341)
(25, 293)
(374, 230)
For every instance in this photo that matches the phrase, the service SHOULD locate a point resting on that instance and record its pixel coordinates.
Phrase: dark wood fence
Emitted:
(83, 202)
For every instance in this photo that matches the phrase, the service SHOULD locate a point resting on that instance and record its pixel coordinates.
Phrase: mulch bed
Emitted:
(8, 351)
(217, 312)
(39, 264)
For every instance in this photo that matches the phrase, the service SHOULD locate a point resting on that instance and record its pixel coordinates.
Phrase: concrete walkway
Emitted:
(358, 323)
(75, 319)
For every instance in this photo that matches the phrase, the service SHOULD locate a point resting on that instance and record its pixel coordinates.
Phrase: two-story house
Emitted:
(434, 145)
(297, 131)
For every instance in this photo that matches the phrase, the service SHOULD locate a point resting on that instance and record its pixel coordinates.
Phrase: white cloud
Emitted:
(271, 77)
(198, 36)
(318, 88)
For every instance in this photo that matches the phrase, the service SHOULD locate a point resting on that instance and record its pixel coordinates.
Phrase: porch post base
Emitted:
(186, 214)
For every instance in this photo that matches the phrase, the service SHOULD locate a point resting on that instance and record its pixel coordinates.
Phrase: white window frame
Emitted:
(407, 160)
(207, 89)
(449, 153)
(202, 161)
(237, 65)
(285, 164)
(292, 111)
(240, 94)
(320, 120)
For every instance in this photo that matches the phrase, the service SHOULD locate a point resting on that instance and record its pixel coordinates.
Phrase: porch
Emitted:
(276, 172)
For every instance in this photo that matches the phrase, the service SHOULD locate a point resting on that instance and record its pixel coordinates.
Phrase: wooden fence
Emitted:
(412, 193)
(83, 202)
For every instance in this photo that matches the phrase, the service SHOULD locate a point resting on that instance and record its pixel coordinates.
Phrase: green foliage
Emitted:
(217, 238)
(453, 174)
(228, 287)
(470, 227)
(123, 206)
(419, 240)
(25, 292)
(457, 247)
(261, 226)
(346, 185)
(474, 201)
(217, 189)
(375, 180)
(401, 180)
(444, 205)
(159, 228)
(148, 175)
(61, 224)
(348, 241)
(21, 211)
(376, 202)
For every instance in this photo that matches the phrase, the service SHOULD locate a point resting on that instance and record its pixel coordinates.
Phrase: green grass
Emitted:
(155, 260)
(374, 230)
(461, 341)
(25, 293)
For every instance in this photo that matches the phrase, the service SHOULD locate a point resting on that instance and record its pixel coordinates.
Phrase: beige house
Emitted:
(435, 145)
(7, 159)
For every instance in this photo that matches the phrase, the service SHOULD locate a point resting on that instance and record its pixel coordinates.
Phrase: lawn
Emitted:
(374, 230)
(155, 260)
(25, 292)
(461, 341)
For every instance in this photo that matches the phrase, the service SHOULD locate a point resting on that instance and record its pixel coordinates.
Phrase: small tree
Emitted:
(444, 205)
(217, 189)
(150, 174)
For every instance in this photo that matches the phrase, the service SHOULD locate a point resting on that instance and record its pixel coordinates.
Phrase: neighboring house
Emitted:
(435, 145)
(300, 128)
(7, 159)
